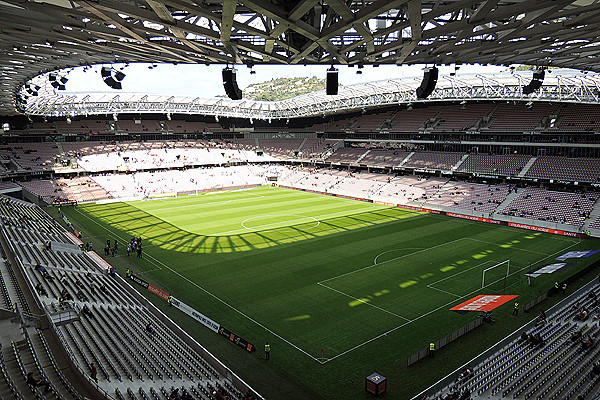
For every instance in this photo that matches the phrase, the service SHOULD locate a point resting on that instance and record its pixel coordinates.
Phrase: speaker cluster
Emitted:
(536, 82)
(112, 77)
(331, 85)
(230, 84)
(430, 77)
(57, 82)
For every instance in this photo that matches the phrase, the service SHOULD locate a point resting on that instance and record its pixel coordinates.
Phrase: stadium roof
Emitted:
(584, 88)
(43, 36)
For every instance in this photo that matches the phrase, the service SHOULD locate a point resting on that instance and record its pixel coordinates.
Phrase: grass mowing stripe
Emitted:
(158, 262)
(274, 281)
(427, 314)
(393, 259)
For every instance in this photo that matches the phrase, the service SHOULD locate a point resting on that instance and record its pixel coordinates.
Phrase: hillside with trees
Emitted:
(283, 88)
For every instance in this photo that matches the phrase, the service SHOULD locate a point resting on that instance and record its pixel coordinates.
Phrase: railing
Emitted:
(445, 340)
(352, 97)
(83, 373)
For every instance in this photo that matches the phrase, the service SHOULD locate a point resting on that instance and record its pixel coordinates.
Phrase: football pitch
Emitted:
(339, 288)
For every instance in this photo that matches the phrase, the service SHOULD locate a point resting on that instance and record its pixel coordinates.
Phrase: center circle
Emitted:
(275, 221)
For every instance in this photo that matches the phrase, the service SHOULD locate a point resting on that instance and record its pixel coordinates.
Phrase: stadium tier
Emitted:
(114, 342)
(183, 185)
(554, 356)
(506, 165)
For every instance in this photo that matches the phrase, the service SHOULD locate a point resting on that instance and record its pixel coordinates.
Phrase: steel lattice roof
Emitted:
(43, 36)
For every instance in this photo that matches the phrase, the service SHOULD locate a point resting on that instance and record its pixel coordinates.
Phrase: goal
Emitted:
(495, 273)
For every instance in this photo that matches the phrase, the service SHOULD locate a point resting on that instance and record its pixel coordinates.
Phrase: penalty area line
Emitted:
(390, 260)
(434, 310)
(364, 302)
(443, 291)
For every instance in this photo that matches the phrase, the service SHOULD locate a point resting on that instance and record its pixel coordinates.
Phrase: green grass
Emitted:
(366, 284)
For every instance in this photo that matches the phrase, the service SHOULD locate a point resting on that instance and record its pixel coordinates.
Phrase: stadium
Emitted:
(425, 238)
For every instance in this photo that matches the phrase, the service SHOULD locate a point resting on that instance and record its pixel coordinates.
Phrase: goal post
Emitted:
(500, 266)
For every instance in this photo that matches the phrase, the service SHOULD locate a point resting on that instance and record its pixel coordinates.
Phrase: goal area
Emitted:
(495, 273)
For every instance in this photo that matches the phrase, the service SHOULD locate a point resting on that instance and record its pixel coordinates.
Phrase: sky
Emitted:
(206, 81)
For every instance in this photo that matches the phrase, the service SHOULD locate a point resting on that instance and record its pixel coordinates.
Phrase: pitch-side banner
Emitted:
(484, 302)
(72, 238)
(577, 254)
(550, 269)
(159, 292)
(203, 319)
(98, 260)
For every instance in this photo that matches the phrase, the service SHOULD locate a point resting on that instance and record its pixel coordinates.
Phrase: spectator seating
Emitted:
(518, 117)
(187, 127)
(413, 120)
(373, 122)
(433, 161)
(410, 189)
(279, 147)
(82, 189)
(316, 181)
(315, 147)
(247, 144)
(31, 156)
(454, 117)
(357, 187)
(560, 367)
(505, 165)
(347, 155)
(142, 156)
(561, 168)
(469, 196)
(377, 157)
(96, 319)
(579, 117)
(551, 206)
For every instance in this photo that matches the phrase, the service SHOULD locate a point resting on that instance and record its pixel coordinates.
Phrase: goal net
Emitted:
(495, 273)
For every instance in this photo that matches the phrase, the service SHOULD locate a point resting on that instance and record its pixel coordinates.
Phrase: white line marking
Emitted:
(387, 261)
(156, 262)
(319, 217)
(434, 310)
(503, 227)
(516, 248)
(389, 251)
(364, 302)
(444, 291)
(217, 203)
(320, 283)
(452, 276)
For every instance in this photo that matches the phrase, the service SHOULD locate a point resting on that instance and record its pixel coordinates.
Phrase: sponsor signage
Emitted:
(158, 292)
(244, 344)
(450, 214)
(139, 281)
(98, 260)
(427, 210)
(577, 254)
(472, 218)
(540, 229)
(548, 269)
(385, 203)
(203, 319)
(484, 302)
(74, 239)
